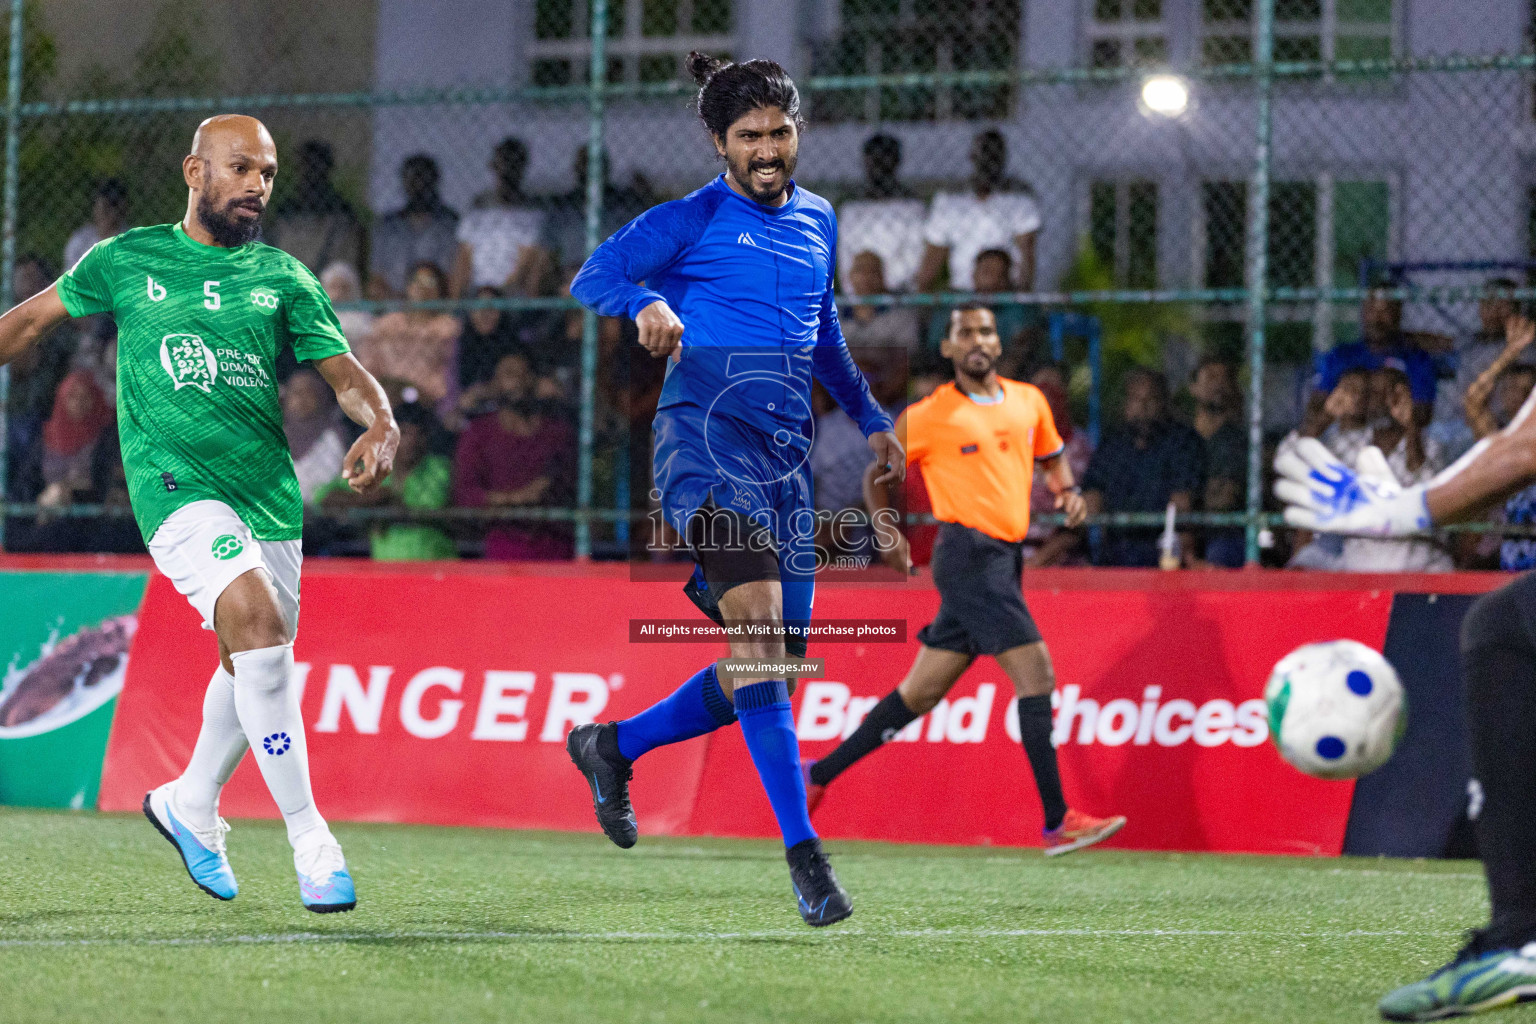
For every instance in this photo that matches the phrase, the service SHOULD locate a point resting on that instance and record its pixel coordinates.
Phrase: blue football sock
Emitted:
(693, 709)
(769, 728)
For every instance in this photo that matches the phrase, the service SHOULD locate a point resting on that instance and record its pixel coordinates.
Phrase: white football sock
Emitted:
(269, 713)
(220, 745)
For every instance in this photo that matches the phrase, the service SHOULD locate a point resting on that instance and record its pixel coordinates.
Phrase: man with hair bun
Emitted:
(733, 283)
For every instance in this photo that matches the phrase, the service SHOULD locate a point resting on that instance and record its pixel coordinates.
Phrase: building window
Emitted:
(1122, 228)
(1305, 30)
(1127, 33)
(1320, 229)
(647, 39)
(883, 37)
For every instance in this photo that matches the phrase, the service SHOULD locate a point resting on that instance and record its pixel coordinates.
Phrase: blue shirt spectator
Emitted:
(1382, 344)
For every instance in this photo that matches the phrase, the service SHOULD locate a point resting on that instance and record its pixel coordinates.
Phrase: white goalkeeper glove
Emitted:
(1324, 495)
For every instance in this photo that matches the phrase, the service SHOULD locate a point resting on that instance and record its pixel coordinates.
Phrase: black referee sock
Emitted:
(1035, 733)
(1499, 664)
(884, 720)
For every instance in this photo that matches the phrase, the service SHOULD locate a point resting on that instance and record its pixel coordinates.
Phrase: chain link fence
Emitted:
(1398, 208)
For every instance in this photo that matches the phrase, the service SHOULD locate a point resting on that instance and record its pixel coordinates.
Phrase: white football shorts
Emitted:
(204, 546)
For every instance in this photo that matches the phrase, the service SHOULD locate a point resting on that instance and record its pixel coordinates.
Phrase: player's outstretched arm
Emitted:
(1321, 493)
(372, 456)
(1492, 470)
(28, 323)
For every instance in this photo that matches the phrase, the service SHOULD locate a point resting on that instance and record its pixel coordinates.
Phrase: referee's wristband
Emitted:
(1074, 489)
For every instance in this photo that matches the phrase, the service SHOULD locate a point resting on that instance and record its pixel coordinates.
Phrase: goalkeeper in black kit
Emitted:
(1497, 966)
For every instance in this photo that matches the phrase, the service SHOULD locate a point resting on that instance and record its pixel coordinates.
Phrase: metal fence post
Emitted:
(1258, 267)
(8, 231)
(597, 177)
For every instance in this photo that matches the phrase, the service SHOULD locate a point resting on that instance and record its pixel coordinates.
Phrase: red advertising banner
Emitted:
(444, 695)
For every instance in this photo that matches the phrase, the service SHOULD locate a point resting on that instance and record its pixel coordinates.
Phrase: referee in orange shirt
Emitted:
(977, 440)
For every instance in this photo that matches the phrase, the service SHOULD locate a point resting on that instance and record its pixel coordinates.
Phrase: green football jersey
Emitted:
(199, 329)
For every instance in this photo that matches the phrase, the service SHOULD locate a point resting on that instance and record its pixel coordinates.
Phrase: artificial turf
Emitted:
(99, 923)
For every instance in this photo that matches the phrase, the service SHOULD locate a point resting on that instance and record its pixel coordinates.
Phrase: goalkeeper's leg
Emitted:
(1498, 965)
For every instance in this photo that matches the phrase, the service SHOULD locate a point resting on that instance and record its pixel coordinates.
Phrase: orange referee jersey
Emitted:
(979, 459)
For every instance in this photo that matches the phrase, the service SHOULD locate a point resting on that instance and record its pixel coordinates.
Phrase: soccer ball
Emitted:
(1336, 710)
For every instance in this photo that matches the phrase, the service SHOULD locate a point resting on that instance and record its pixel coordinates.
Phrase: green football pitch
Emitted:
(99, 923)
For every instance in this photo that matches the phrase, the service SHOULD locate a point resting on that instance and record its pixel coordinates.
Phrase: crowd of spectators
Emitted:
(485, 396)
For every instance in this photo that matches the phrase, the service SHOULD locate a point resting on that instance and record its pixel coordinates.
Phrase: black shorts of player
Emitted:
(730, 550)
(982, 609)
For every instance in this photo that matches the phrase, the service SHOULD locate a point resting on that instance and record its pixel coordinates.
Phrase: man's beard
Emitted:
(743, 176)
(977, 366)
(225, 229)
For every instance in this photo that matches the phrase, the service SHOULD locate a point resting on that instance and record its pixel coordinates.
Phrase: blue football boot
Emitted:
(201, 850)
(325, 885)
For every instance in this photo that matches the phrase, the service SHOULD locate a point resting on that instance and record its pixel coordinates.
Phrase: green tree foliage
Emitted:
(1132, 334)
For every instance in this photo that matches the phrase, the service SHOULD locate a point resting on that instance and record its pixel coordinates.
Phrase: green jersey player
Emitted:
(202, 311)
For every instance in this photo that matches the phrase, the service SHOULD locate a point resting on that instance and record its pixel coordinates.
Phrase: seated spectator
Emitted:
(1413, 459)
(313, 222)
(991, 275)
(1045, 544)
(35, 375)
(840, 452)
(1492, 400)
(883, 218)
(80, 419)
(417, 346)
(79, 462)
(109, 216)
(988, 216)
(1474, 353)
(867, 326)
(420, 481)
(555, 338)
(499, 238)
(312, 424)
(1218, 421)
(566, 229)
(1384, 343)
(1499, 380)
(488, 335)
(424, 230)
(517, 457)
(342, 284)
(1150, 461)
(1342, 421)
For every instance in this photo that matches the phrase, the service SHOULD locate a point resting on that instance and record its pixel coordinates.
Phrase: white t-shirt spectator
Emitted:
(967, 226)
(80, 241)
(1363, 554)
(497, 235)
(891, 229)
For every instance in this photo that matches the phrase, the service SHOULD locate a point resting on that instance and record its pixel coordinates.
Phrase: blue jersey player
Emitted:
(733, 284)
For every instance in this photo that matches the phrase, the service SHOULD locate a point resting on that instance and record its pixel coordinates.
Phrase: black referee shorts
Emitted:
(982, 609)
